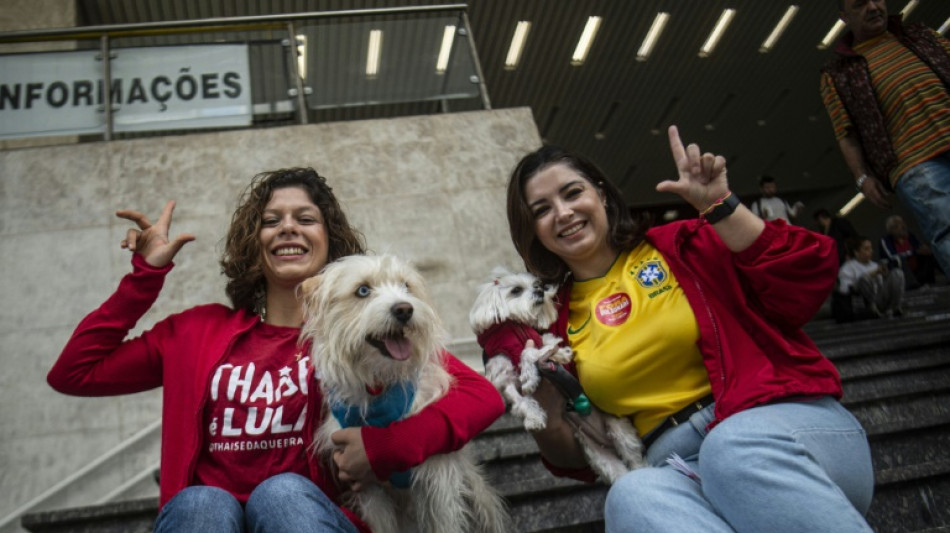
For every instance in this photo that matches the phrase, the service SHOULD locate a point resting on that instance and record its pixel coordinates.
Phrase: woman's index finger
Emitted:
(135, 216)
(166, 216)
(676, 145)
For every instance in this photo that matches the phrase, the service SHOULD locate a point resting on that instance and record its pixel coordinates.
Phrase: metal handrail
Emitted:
(255, 22)
(65, 482)
(284, 22)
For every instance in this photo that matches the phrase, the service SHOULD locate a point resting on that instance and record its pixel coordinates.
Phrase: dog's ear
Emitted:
(499, 272)
(490, 307)
(308, 289)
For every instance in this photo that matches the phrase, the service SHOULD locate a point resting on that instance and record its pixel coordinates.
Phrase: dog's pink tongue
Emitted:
(399, 348)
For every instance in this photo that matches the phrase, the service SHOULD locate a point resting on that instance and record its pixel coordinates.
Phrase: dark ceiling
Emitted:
(760, 110)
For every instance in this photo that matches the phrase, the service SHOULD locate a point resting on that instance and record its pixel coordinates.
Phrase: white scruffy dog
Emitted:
(509, 310)
(372, 327)
(520, 302)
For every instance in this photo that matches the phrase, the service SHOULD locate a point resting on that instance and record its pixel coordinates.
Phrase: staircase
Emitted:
(896, 375)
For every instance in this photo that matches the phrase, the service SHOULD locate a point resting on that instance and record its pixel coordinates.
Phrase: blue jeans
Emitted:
(283, 503)
(781, 467)
(925, 190)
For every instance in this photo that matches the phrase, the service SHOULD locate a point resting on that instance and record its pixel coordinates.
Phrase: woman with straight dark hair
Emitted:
(693, 330)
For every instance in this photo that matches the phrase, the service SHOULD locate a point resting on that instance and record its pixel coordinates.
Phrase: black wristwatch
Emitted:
(721, 211)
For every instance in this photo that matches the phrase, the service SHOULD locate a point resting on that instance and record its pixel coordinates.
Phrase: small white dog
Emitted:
(524, 307)
(513, 308)
(372, 327)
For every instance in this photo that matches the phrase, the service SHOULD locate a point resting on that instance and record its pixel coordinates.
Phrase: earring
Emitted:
(260, 301)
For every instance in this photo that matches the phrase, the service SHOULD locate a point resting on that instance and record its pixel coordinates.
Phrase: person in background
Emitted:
(240, 401)
(887, 91)
(837, 228)
(915, 258)
(770, 207)
(879, 283)
(693, 330)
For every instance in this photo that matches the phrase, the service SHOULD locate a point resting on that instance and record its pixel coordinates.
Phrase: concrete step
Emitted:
(911, 450)
(579, 509)
(877, 364)
(907, 383)
(914, 506)
(884, 336)
(131, 516)
(910, 414)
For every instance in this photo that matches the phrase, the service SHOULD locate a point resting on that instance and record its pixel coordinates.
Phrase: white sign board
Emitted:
(177, 87)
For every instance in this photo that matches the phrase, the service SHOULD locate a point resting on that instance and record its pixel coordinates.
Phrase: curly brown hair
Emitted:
(625, 230)
(242, 261)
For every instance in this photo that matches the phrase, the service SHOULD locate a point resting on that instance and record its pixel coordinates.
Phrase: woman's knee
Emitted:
(278, 489)
(194, 506)
(202, 497)
(636, 491)
(281, 486)
(290, 502)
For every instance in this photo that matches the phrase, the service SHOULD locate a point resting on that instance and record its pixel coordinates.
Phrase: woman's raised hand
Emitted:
(151, 240)
(702, 177)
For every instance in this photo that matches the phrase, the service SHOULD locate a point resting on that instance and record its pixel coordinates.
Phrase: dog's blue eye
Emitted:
(363, 291)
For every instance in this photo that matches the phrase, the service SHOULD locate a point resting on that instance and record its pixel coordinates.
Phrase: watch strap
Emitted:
(721, 209)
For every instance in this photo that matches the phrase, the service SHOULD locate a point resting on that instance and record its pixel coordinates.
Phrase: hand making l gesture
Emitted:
(151, 240)
(702, 177)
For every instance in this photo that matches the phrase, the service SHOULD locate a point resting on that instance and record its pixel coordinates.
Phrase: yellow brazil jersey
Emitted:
(634, 336)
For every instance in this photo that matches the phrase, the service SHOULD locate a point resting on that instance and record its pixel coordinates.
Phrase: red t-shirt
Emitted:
(255, 411)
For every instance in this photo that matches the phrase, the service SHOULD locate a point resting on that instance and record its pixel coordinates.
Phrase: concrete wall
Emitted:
(428, 188)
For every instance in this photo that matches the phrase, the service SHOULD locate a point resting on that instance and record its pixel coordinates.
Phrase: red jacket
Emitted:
(750, 307)
(180, 352)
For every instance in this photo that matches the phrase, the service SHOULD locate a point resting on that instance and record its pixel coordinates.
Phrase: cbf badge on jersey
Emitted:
(651, 274)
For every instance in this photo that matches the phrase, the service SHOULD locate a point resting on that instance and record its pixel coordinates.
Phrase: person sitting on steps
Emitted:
(879, 283)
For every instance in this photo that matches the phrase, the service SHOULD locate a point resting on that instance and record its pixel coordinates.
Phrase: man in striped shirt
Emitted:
(887, 91)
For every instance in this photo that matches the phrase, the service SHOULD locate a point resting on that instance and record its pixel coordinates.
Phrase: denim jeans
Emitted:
(781, 467)
(283, 503)
(925, 190)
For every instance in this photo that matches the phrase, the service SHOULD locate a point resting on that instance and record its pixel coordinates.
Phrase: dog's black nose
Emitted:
(402, 311)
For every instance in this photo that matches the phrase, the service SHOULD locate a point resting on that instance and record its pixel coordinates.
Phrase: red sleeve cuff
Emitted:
(762, 242)
(139, 263)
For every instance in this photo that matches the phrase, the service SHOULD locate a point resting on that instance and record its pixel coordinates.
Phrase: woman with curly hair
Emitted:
(240, 402)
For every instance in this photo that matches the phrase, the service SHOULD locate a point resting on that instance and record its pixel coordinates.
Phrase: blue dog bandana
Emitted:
(387, 407)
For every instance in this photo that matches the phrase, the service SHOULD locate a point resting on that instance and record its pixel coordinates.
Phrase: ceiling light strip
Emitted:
(909, 7)
(717, 32)
(779, 29)
(448, 39)
(301, 55)
(586, 40)
(831, 35)
(650, 41)
(373, 54)
(944, 27)
(518, 40)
